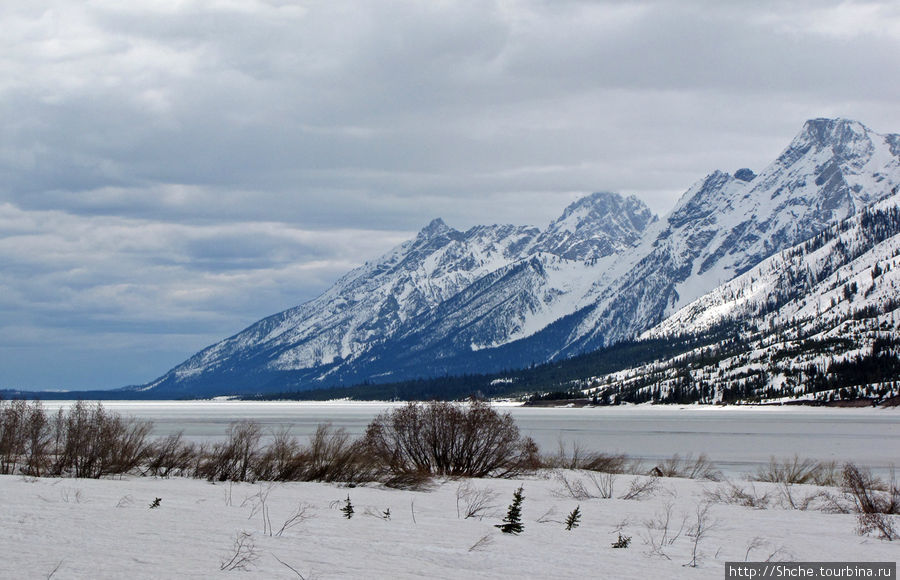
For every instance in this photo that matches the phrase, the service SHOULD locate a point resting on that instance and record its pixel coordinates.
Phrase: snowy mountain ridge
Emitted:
(804, 323)
(492, 297)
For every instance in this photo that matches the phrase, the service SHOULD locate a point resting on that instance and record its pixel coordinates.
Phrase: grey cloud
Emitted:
(178, 170)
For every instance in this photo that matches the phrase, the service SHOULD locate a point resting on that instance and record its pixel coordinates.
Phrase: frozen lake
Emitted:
(736, 439)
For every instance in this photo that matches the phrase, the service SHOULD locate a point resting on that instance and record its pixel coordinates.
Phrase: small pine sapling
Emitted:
(512, 523)
(573, 519)
(348, 508)
(622, 542)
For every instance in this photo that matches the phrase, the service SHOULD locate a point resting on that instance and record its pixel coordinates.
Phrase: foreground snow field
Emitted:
(76, 528)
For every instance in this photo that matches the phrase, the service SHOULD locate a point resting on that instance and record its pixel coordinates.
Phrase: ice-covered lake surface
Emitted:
(736, 439)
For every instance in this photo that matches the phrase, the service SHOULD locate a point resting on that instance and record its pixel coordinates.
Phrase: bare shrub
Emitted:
(641, 487)
(599, 485)
(795, 501)
(605, 462)
(776, 553)
(702, 524)
(875, 506)
(258, 503)
(827, 474)
(578, 458)
(659, 531)
(409, 481)
(300, 515)
(25, 437)
(730, 493)
(870, 494)
(277, 461)
(688, 467)
(333, 456)
(91, 442)
(233, 459)
(573, 488)
(882, 524)
(797, 470)
(170, 455)
(476, 502)
(448, 439)
(243, 554)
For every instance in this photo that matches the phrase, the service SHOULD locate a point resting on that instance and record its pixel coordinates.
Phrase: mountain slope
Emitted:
(489, 285)
(725, 224)
(819, 318)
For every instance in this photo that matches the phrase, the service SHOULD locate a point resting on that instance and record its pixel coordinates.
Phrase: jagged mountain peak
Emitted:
(601, 205)
(435, 228)
(597, 225)
(824, 132)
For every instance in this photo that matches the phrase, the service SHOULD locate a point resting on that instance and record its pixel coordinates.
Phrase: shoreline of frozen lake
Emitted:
(738, 439)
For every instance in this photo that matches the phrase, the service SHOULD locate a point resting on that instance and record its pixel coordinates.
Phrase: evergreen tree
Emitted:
(573, 519)
(348, 508)
(512, 523)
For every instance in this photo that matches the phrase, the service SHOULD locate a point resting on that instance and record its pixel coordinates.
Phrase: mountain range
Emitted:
(452, 302)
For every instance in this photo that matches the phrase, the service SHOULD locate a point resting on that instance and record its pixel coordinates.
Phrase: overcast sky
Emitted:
(173, 170)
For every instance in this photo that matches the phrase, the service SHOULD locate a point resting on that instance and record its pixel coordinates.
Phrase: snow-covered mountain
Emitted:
(498, 297)
(443, 290)
(725, 224)
(815, 320)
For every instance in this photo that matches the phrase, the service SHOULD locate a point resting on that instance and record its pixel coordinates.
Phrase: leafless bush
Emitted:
(688, 467)
(802, 502)
(604, 483)
(476, 502)
(777, 553)
(730, 493)
(170, 455)
(92, 442)
(258, 505)
(827, 475)
(409, 481)
(797, 470)
(578, 458)
(600, 485)
(243, 554)
(278, 460)
(882, 524)
(332, 456)
(641, 487)
(25, 438)
(657, 533)
(233, 459)
(449, 439)
(874, 506)
(300, 515)
(703, 523)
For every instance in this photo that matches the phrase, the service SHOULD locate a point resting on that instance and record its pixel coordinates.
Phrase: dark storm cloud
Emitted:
(173, 170)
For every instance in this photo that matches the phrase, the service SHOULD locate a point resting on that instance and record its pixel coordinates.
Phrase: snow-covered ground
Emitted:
(75, 528)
